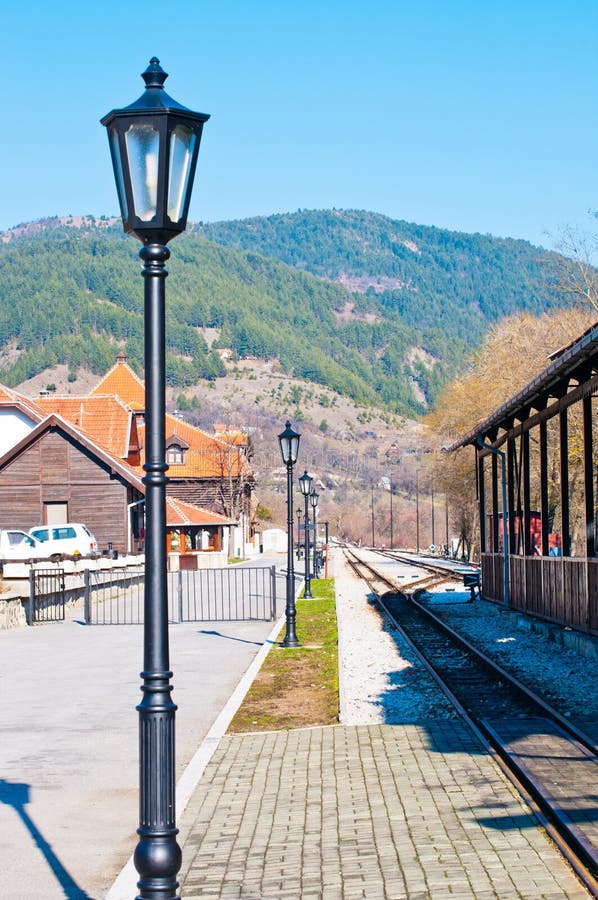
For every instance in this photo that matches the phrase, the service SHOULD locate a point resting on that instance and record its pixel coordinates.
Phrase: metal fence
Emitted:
(115, 597)
(46, 596)
(225, 595)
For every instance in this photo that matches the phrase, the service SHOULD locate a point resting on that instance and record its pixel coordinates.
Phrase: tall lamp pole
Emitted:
(154, 144)
(417, 510)
(305, 483)
(433, 522)
(392, 542)
(373, 534)
(289, 448)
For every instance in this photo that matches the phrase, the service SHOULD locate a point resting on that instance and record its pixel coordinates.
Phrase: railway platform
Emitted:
(375, 811)
(415, 810)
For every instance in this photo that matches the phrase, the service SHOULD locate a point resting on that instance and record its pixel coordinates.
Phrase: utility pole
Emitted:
(417, 510)
(373, 534)
(391, 522)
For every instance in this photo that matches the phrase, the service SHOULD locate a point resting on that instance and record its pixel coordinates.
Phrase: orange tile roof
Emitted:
(207, 457)
(122, 381)
(105, 420)
(10, 397)
(105, 416)
(232, 435)
(180, 513)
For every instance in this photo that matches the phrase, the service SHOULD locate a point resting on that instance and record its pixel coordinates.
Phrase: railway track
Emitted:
(552, 763)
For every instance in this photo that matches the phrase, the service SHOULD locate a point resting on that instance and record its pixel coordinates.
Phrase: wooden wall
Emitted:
(55, 468)
(559, 589)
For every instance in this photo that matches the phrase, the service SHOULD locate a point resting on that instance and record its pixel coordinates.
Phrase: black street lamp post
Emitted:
(299, 515)
(289, 448)
(154, 144)
(305, 483)
(313, 499)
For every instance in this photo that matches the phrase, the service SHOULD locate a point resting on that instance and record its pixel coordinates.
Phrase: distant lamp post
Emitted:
(305, 483)
(299, 515)
(154, 144)
(289, 449)
(313, 499)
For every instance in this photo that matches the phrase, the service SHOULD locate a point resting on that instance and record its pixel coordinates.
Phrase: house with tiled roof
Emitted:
(58, 473)
(209, 477)
(122, 382)
(18, 416)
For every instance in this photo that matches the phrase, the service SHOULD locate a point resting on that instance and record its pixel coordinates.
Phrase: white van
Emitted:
(15, 544)
(68, 539)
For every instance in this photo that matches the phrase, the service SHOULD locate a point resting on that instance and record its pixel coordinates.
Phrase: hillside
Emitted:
(377, 311)
(446, 284)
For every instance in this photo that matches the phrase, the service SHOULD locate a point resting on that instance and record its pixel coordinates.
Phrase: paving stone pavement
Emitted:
(370, 811)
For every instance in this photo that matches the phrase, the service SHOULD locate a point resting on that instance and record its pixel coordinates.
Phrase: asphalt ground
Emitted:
(69, 741)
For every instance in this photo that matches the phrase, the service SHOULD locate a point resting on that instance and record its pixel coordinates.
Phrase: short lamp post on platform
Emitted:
(313, 499)
(289, 449)
(154, 144)
(305, 483)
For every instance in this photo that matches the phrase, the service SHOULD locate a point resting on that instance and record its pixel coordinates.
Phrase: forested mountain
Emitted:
(444, 283)
(377, 310)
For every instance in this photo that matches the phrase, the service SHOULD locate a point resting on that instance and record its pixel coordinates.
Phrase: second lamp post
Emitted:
(305, 483)
(289, 449)
(313, 499)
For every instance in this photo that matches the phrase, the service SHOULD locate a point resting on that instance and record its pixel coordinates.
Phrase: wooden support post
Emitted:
(495, 517)
(588, 477)
(544, 485)
(564, 460)
(527, 537)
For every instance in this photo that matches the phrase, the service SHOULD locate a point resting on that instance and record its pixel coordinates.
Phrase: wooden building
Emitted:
(57, 473)
(71, 458)
(537, 474)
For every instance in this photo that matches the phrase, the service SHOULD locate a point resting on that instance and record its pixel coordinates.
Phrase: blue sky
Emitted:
(471, 116)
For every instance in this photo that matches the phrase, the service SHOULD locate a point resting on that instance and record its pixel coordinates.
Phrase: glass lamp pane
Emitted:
(143, 146)
(305, 483)
(118, 172)
(294, 449)
(182, 143)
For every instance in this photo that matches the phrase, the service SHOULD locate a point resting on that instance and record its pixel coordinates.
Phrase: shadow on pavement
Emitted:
(17, 795)
(229, 637)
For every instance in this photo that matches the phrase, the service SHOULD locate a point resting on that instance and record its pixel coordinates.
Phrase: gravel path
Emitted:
(380, 678)
(382, 681)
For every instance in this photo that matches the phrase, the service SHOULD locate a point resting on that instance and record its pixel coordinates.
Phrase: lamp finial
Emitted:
(154, 76)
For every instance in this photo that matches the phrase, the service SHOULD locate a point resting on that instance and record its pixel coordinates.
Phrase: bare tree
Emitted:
(576, 272)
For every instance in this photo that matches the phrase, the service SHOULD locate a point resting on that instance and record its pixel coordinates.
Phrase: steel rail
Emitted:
(581, 860)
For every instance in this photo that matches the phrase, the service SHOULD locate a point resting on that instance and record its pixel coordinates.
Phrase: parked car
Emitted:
(15, 544)
(68, 539)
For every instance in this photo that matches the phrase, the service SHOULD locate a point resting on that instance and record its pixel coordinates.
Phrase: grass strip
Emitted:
(298, 687)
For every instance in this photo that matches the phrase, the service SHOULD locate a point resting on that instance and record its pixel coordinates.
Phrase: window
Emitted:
(63, 534)
(17, 537)
(175, 455)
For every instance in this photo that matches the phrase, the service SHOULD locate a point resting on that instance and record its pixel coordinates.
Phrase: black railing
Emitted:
(46, 596)
(115, 597)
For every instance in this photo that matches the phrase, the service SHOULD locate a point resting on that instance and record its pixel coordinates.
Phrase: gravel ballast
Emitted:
(381, 679)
